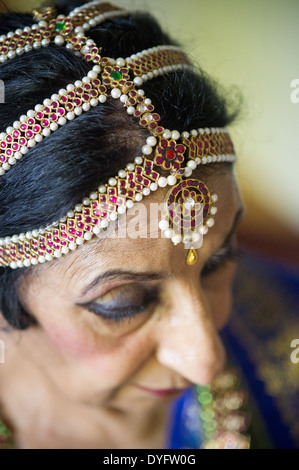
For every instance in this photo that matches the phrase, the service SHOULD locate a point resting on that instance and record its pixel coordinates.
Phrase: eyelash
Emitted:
(232, 254)
(127, 314)
(124, 313)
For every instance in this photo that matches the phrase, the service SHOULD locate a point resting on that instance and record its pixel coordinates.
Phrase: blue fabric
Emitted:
(184, 426)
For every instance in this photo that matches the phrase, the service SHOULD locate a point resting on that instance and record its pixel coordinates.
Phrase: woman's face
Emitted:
(124, 322)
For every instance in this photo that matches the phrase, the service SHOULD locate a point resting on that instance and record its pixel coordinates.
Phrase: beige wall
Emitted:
(252, 44)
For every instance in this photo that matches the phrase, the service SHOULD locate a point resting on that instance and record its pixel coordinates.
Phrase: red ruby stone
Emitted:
(169, 154)
(159, 161)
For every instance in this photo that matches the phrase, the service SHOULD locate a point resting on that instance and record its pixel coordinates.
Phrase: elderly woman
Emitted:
(119, 206)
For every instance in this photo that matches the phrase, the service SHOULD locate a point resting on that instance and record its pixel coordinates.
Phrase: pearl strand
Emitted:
(53, 126)
(139, 81)
(59, 40)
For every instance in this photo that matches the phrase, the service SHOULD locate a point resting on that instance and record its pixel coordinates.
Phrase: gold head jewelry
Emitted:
(165, 150)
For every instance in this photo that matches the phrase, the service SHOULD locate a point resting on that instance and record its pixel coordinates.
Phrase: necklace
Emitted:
(223, 418)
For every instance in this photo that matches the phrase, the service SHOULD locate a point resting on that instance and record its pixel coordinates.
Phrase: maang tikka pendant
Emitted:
(189, 210)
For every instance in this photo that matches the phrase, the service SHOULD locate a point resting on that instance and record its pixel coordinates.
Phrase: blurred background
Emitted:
(249, 47)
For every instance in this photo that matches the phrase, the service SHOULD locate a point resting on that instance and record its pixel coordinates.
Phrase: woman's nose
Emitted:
(188, 341)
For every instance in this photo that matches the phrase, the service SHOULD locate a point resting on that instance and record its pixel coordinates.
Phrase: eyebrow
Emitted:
(127, 275)
(121, 274)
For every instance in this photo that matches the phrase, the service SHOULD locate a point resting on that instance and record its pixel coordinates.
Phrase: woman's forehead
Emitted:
(137, 239)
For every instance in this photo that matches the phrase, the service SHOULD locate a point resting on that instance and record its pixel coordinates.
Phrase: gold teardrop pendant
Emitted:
(192, 257)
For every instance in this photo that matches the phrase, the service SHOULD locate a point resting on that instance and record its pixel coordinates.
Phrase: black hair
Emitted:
(77, 158)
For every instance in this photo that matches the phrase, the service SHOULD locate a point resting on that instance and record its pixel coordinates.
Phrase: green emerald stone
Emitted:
(205, 398)
(116, 75)
(59, 26)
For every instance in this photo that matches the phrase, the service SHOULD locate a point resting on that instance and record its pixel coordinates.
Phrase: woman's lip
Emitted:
(162, 392)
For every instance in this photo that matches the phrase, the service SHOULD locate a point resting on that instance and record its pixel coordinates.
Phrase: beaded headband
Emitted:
(121, 78)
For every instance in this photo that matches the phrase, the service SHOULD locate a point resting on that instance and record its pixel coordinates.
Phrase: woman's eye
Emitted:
(124, 305)
(217, 261)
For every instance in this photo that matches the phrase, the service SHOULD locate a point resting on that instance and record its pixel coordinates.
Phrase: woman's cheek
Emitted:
(70, 340)
(108, 358)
